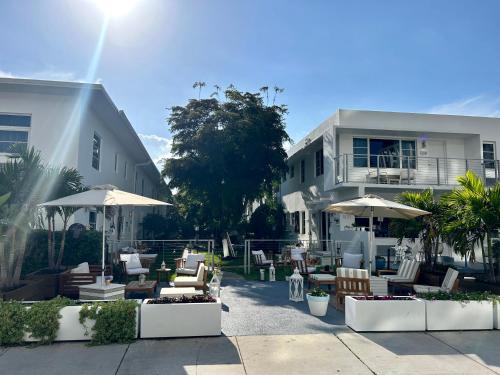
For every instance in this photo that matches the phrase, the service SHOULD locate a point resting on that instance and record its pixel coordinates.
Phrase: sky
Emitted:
(437, 56)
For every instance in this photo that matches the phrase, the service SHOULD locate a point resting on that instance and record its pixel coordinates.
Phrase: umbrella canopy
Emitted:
(104, 195)
(374, 206)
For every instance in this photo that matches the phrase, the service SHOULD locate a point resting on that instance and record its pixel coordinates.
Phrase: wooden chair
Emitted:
(180, 262)
(69, 282)
(449, 284)
(132, 266)
(199, 281)
(304, 269)
(351, 282)
(260, 260)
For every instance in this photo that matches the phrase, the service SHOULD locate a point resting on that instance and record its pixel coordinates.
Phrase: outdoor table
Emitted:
(147, 287)
(166, 271)
(99, 291)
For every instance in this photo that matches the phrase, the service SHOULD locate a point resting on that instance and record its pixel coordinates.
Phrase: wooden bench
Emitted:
(69, 282)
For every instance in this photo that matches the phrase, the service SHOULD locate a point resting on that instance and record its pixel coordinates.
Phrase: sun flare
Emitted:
(115, 8)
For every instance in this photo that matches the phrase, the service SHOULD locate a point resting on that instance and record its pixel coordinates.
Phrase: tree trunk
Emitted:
(483, 254)
(19, 259)
(50, 255)
(490, 256)
(3, 265)
(63, 242)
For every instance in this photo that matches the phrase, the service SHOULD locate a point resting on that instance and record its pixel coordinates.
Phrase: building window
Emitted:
(384, 153)
(96, 151)
(302, 170)
(292, 171)
(116, 162)
(303, 222)
(92, 220)
(12, 140)
(489, 155)
(15, 120)
(319, 163)
(360, 152)
(125, 170)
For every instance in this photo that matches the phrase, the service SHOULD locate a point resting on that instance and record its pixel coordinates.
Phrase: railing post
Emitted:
(408, 171)
(346, 161)
(245, 258)
(378, 167)
(437, 170)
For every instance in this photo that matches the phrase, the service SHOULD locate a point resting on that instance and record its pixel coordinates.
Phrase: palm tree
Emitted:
(277, 91)
(199, 85)
(265, 89)
(477, 210)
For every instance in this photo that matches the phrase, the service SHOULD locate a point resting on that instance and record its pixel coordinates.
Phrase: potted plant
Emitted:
(318, 299)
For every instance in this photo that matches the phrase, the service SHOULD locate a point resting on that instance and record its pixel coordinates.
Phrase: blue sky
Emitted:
(419, 56)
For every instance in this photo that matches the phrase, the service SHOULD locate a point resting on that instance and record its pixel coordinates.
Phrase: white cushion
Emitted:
(82, 268)
(193, 259)
(352, 260)
(201, 272)
(311, 269)
(137, 271)
(427, 289)
(296, 253)
(186, 281)
(322, 277)
(187, 271)
(132, 261)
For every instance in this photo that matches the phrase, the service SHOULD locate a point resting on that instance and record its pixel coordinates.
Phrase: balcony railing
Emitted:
(411, 170)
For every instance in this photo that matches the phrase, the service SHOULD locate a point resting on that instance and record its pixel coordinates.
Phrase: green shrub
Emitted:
(42, 319)
(12, 318)
(459, 296)
(318, 292)
(115, 322)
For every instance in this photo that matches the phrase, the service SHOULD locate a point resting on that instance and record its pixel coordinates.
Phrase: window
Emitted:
(303, 222)
(384, 153)
(292, 171)
(302, 170)
(14, 132)
(96, 151)
(489, 155)
(116, 162)
(319, 163)
(125, 170)
(92, 220)
(296, 222)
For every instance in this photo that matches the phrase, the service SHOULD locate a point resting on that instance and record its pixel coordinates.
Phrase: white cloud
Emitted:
(48, 74)
(480, 105)
(158, 147)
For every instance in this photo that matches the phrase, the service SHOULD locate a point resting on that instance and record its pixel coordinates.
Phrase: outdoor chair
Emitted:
(131, 265)
(84, 274)
(260, 259)
(406, 275)
(351, 282)
(179, 262)
(352, 260)
(199, 281)
(191, 265)
(450, 283)
(304, 269)
(318, 279)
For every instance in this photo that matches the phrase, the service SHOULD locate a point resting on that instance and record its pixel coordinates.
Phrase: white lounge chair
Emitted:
(447, 286)
(191, 264)
(131, 265)
(406, 274)
(198, 282)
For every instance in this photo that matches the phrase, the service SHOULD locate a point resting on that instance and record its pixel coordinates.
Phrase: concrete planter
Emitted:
(70, 328)
(458, 316)
(181, 319)
(496, 315)
(317, 305)
(385, 315)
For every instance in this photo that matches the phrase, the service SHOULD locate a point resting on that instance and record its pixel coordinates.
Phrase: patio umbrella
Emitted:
(374, 206)
(104, 196)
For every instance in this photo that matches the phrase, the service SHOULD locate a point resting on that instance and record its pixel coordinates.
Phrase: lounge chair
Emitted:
(179, 262)
(450, 283)
(351, 282)
(84, 274)
(260, 259)
(304, 269)
(131, 265)
(198, 282)
(191, 265)
(406, 275)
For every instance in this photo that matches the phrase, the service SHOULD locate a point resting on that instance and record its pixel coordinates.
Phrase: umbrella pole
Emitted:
(132, 228)
(103, 243)
(370, 242)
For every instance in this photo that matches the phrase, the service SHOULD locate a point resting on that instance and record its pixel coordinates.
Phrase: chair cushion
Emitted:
(427, 289)
(201, 273)
(311, 269)
(187, 281)
(137, 271)
(449, 279)
(187, 271)
(352, 260)
(352, 273)
(81, 268)
(396, 279)
(322, 277)
(133, 262)
(193, 259)
(297, 253)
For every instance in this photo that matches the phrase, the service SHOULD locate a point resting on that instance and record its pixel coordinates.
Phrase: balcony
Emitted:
(411, 170)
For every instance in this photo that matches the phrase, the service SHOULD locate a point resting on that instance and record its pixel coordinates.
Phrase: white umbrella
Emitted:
(103, 196)
(374, 206)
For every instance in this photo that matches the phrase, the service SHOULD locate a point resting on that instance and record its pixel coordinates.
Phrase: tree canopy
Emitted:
(226, 154)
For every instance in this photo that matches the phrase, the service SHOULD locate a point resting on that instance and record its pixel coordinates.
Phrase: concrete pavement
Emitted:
(326, 353)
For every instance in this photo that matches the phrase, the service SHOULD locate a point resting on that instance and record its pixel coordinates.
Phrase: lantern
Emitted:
(214, 286)
(296, 286)
(272, 273)
(262, 275)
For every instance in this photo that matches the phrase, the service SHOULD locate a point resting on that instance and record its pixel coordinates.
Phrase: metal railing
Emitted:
(411, 170)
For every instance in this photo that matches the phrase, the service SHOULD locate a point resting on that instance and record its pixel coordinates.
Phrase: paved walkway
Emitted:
(344, 353)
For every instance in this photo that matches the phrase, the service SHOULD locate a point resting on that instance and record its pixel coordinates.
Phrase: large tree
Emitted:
(226, 154)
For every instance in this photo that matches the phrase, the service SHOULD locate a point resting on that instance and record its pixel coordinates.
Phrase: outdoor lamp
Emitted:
(262, 275)
(214, 286)
(272, 273)
(296, 286)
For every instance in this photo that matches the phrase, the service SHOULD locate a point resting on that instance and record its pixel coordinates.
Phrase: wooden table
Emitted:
(166, 271)
(148, 287)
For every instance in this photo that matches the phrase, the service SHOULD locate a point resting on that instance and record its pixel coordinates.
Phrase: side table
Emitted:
(166, 271)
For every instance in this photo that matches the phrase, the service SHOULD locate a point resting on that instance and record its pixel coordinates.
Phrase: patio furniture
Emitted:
(165, 271)
(406, 275)
(191, 265)
(147, 287)
(352, 261)
(450, 283)
(260, 259)
(379, 286)
(179, 292)
(198, 282)
(318, 279)
(351, 282)
(84, 274)
(179, 262)
(303, 267)
(100, 291)
(131, 265)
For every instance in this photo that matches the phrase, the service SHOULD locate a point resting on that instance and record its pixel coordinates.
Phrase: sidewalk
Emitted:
(343, 352)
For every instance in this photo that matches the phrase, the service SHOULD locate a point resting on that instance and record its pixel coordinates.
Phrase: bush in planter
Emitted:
(459, 296)
(115, 321)
(12, 321)
(205, 298)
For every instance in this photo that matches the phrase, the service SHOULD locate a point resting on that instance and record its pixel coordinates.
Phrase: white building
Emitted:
(354, 153)
(77, 125)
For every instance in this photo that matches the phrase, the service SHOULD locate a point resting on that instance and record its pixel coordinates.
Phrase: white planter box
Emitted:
(387, 315)
(496, 315)
(181, 319)
(70, 328)
(458, 316)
